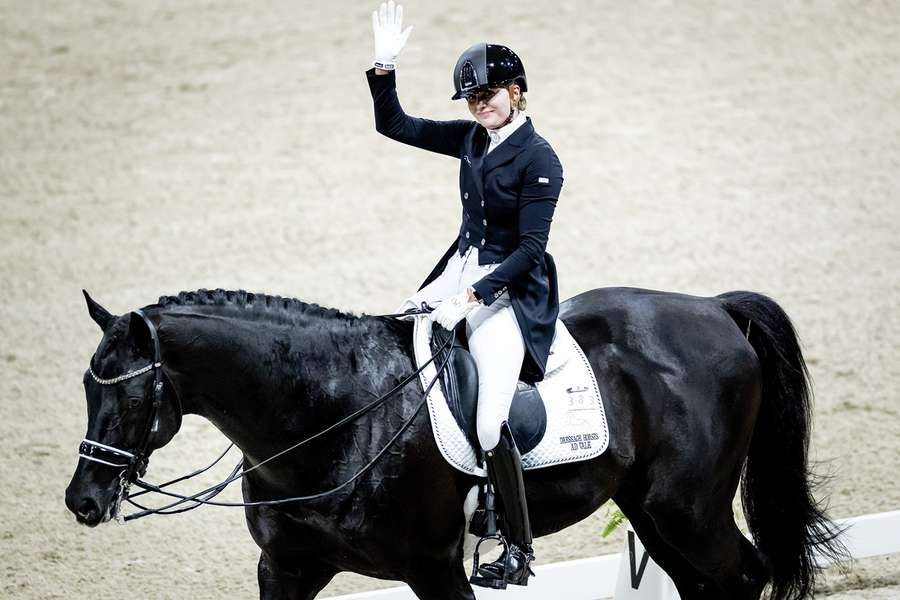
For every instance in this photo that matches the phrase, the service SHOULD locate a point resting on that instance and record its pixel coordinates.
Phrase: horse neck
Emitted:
(265, 382)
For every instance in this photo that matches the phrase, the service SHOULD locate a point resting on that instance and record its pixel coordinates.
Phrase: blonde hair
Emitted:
(522, 103)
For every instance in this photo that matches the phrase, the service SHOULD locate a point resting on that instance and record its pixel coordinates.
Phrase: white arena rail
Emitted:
(609, 576)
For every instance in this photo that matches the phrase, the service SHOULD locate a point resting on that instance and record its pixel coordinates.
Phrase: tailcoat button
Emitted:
(482, 202)
(484, 221)
(467, 234)
(466, 195)
(482, 241)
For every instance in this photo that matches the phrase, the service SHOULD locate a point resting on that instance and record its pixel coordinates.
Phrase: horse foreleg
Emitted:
(441, 581)
(302, 583)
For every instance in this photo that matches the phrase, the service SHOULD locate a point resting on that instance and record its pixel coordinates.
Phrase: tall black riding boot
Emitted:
(504, 466)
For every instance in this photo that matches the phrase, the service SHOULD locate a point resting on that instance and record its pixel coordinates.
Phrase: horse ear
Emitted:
(140, 334)
(100, 315)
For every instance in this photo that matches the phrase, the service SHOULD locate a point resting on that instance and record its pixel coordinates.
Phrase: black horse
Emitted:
(698, 392)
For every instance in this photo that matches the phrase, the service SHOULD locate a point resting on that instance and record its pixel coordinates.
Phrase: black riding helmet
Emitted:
(486, 66)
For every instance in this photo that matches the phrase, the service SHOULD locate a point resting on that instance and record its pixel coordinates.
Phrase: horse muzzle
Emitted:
(92, 503)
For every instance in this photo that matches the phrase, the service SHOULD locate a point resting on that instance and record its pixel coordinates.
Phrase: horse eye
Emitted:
(134, 401)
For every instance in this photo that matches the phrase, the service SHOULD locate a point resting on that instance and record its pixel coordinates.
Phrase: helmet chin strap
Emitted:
(512, 113)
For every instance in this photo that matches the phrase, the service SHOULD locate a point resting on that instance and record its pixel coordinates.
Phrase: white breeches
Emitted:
(495, 340)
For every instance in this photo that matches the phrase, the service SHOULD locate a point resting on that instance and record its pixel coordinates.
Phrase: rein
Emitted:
(135, 462)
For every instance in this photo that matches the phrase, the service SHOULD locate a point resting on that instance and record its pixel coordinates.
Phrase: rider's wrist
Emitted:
(383, 65)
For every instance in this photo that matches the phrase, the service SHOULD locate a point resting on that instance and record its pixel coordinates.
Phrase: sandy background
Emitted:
(151, 147)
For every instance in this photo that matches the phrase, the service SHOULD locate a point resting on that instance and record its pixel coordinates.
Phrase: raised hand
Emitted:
(387, 23)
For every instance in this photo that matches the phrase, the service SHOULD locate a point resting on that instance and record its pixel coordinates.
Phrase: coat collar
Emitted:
(509, 148)
(502, 133)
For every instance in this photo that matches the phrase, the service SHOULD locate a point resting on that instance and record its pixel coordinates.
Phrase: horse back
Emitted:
(680, 380)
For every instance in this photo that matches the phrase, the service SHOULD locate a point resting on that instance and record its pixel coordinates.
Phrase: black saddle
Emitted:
(527, 416)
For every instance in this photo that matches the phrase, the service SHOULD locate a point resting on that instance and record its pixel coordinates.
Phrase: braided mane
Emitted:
(266, 305)
(251, 301)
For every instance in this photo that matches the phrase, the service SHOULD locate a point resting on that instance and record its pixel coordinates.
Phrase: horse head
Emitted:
(132, 410)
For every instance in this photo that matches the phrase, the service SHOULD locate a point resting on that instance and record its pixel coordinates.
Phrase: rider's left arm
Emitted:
(537, 202)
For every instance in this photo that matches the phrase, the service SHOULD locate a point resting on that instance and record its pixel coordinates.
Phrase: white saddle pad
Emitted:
(576, 422)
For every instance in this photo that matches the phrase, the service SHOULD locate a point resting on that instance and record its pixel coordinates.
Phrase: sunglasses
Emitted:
(482, 96)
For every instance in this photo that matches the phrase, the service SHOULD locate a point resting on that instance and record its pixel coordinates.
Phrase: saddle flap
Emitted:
(459, 380)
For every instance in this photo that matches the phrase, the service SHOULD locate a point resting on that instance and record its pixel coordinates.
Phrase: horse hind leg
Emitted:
(714, 546)
(690, 583)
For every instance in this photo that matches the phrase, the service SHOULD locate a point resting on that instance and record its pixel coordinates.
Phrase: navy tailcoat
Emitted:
(508, 198)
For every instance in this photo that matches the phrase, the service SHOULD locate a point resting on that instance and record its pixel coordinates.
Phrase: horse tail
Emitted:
(788, 525)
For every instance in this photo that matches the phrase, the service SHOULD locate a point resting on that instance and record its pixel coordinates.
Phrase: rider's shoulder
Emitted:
(541, 155)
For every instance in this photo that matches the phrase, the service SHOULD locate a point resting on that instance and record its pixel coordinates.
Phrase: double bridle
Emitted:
(133, 463)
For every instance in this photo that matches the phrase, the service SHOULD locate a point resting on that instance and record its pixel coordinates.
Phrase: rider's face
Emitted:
(492, 113)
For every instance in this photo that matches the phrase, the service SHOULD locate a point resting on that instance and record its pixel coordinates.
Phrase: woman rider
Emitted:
(496, 274)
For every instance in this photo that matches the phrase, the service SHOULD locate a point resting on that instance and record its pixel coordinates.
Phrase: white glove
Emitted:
(389, 41)
(453, 309)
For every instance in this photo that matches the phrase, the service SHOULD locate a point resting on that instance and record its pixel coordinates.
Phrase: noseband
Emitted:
(133, 463)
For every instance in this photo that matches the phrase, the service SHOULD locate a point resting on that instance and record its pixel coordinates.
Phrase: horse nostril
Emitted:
(88, 511)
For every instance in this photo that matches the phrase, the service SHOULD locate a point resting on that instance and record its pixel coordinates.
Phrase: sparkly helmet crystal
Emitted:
(486, 66)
